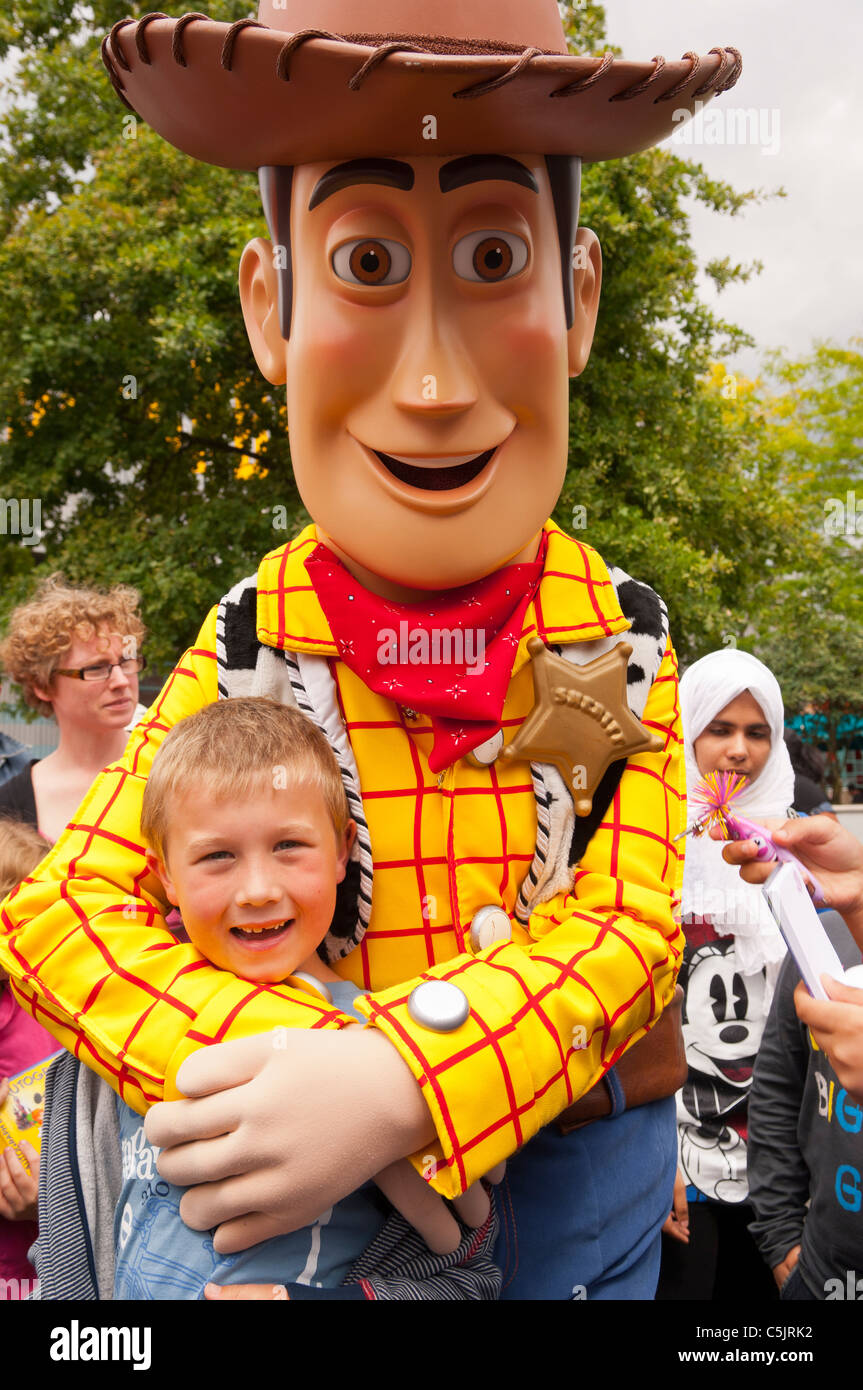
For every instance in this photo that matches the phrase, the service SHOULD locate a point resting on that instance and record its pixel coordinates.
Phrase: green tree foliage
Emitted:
(132, 401)
(133, 404)
(811, 417)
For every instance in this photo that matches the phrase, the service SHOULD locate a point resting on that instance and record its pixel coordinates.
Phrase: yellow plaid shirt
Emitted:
(86, 945)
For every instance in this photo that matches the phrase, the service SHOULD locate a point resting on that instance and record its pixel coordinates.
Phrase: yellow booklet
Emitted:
(22, 1111)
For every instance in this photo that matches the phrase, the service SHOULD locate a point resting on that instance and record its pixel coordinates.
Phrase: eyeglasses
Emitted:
(130, 665)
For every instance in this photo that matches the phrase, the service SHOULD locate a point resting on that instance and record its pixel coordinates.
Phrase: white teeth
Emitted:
(450, 461)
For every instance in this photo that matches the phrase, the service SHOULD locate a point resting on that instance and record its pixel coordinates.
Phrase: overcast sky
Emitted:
(803, 68)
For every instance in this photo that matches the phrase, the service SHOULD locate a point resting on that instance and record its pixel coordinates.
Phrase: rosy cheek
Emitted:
(204, 898)
(534, 342)
(526, 359)
(338, 337)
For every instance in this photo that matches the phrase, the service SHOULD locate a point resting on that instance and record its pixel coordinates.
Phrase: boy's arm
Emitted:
(84, 939)
(778, 1175)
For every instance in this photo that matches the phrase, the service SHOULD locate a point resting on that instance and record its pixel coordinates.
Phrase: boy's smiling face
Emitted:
(428, 361)
(254, 878)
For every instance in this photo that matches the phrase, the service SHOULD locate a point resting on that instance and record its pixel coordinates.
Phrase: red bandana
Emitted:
(450, 659)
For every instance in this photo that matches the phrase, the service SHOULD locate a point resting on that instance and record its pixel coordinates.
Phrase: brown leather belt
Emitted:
(651, 1069)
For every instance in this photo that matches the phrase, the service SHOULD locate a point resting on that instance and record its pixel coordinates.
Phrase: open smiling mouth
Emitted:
(436, 474)
(262, 936)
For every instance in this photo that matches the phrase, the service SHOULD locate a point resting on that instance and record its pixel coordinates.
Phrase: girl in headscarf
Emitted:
(732, 722)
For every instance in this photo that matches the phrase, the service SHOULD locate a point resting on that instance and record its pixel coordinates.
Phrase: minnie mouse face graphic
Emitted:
(724, 1015)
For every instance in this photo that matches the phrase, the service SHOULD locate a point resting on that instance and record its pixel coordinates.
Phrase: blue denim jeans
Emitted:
(581, 1213)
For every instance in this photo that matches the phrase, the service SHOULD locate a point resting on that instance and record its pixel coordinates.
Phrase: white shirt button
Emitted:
(489, 925)
(438, 1005)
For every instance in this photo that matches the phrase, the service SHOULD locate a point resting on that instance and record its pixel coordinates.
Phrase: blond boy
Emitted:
(248, 829)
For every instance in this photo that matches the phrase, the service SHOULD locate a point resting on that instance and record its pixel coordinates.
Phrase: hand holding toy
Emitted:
(715, 793)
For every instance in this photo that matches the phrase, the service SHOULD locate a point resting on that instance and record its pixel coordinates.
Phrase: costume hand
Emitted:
(283, 1125)
(837, 1027)
(429, 1215)
(236, 1293)
(825, 849)
(677, 1223)
(19, 1190)
(782, 1271)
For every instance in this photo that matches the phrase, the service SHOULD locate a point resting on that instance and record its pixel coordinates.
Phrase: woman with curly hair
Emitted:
(76, 653)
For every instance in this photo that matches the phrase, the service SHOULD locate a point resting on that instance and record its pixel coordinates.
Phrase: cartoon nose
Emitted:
(733, 1034)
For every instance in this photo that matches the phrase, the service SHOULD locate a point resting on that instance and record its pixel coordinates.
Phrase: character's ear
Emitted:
(160, 869)
(346, 844)
(259, 296)
(587, 283)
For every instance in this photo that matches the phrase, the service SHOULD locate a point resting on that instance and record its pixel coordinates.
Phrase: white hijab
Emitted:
(712, 888)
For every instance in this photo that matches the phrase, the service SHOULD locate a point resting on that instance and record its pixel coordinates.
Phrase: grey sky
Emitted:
(804, 62)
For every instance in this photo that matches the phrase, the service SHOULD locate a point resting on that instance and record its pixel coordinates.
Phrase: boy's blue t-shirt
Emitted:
(159, 1257)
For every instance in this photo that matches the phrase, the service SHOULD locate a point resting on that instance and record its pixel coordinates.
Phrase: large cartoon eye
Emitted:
(739, 995)
(489, 256)
(372, 261)
(719, 998)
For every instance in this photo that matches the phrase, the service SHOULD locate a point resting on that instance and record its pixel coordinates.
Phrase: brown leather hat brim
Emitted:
(244, 96)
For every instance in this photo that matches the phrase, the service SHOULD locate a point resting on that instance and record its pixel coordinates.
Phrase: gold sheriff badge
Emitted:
(580, 720)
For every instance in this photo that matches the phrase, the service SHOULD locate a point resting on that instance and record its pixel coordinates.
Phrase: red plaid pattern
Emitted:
(549, 1011)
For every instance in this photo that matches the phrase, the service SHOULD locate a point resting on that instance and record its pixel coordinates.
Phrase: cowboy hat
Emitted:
(335, 79)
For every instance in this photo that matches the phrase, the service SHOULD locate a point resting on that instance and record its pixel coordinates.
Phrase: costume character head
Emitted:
(422, 333)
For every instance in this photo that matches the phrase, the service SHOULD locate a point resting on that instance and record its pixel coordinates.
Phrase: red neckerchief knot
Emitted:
(450, 658)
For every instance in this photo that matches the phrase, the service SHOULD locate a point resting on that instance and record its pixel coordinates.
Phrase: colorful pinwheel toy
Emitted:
(715, 794)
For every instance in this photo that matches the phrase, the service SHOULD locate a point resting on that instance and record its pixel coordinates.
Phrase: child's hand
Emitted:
(19, 1189)
(824, 848)
(837, 1027)
(677, 1223)
(782, 1271)
(235, 1293)
(4, 1088)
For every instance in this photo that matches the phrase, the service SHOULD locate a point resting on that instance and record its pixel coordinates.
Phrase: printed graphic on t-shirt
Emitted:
(157, 1256)
(722, 1030)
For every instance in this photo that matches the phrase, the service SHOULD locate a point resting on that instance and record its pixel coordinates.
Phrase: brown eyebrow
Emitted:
(392, 172)
(473, 168)
(726, 724)
(469, 168)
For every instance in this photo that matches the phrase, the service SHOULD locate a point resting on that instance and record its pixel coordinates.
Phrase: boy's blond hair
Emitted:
(228, 748)
(42, 630)
(21, 849)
